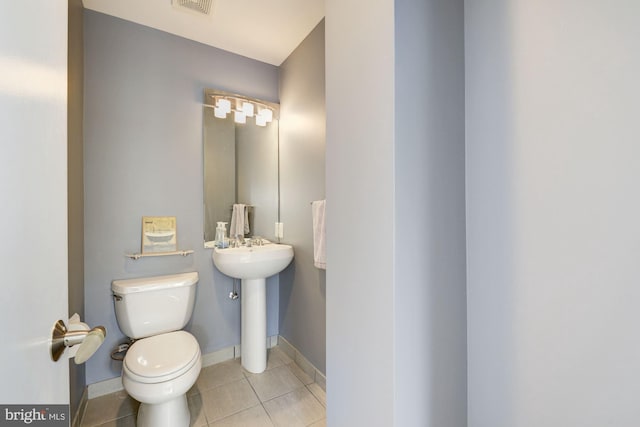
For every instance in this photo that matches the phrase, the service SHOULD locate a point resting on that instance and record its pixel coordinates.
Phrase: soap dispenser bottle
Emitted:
(221, 235)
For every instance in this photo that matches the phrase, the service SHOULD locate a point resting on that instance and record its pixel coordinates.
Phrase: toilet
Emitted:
(164, 361)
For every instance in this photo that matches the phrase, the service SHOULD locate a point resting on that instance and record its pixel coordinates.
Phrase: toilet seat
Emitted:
(161, 357)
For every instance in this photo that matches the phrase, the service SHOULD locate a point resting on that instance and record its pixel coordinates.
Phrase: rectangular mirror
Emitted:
(240, 143)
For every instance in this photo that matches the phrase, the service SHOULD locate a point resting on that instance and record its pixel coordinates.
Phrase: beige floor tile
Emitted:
(109, 407)
(128, 421)
(274, 382)
(198, 417)
(253, 417)
(298, 408)
(319, 393)
(220, 402)
(225, 395)
(217, 375)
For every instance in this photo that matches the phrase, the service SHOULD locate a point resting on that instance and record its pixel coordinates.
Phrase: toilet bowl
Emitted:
(158, 371)
(164, 362)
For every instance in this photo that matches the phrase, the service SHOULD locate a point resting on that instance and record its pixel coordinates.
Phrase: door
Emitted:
(33, 190)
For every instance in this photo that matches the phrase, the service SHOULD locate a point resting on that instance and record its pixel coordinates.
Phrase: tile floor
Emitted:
(226, 395)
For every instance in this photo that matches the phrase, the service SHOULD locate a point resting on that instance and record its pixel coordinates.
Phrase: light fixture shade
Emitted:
(247, 108)
(219, 113)
(267, 114)
(260, 120)
(239, 117)
(224, 105)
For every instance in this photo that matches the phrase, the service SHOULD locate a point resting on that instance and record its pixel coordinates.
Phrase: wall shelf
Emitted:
(137, 256)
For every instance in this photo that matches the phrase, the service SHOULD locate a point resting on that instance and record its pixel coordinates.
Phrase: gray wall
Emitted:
(429, 206)
(75, 184)
(552, 216)
(396, 333)
(360, 205)
(302, 180)
(143, 156)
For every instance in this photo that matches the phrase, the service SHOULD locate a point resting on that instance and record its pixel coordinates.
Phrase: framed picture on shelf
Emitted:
(159, 234)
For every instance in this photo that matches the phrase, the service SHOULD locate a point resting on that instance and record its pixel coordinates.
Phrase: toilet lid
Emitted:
(162, 357)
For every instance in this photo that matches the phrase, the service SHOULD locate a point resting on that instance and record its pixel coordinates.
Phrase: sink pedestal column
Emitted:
(253, 327)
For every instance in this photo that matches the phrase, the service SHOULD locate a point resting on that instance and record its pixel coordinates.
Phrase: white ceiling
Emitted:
(265, 30)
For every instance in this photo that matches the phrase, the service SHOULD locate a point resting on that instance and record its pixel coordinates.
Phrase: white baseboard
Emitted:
(303, 363)
(219, 356)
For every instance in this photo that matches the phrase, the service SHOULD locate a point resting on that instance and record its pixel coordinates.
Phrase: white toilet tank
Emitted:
(154, 305)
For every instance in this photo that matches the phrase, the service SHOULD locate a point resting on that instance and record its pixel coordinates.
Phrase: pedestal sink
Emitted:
(253, 265)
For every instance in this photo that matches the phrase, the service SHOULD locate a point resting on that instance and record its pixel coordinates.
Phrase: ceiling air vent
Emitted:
(199, 6)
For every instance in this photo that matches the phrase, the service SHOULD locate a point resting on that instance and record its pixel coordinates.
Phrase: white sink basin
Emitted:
(255, 262)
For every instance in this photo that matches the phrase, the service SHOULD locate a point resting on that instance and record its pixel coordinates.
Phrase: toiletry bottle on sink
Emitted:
(221, 235)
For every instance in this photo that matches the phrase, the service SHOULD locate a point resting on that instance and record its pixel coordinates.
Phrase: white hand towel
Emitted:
(319, 253)
(238, 221)
(246, 220)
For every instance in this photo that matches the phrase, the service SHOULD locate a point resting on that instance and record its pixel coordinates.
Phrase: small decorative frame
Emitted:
(159, 234)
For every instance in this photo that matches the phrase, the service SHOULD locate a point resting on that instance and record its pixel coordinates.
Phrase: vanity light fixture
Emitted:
(241, 108)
